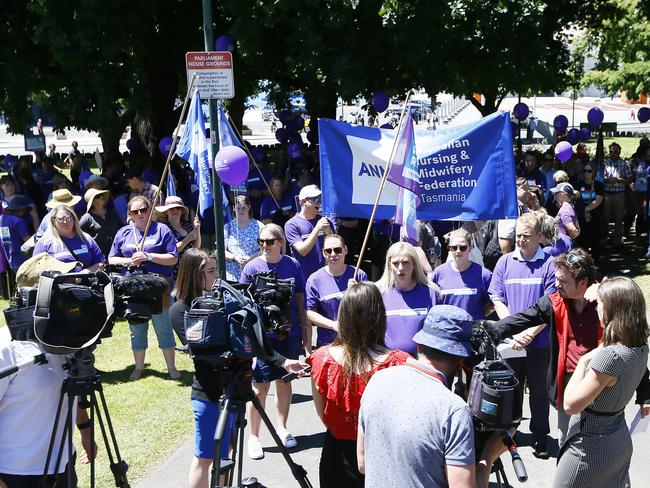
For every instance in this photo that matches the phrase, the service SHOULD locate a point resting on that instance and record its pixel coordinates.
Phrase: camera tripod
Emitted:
(83, 381)
(237, 392)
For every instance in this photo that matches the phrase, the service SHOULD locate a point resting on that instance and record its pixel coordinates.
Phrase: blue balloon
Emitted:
(380, 101)
(521, 111)
(224, 43)
(282, 135)
(595, 116)
(165, 145)
(560, 123)
(585, 134)
(573, 136)
(132, 145)
(284, 116)
(643, 114)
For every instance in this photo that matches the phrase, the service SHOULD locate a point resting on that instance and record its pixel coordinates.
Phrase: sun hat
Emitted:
(100, 181)
(90, 195)
(447, 328)
(172, 202)
(309, 191)
(63, 197)
(17, 202)
(30, 271)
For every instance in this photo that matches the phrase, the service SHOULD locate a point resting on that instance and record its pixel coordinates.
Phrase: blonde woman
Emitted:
(65, 241)
(408, 295)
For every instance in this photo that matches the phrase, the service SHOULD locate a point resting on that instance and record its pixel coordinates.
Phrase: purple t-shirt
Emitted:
(160, 240)
(87, 252)
(467, 289)
(405, 314)
(12, 232)
(519, 284)
(269, 208)
(286, 268)
(323, 293)
(566, 215)
(563, 244)
(297, 229)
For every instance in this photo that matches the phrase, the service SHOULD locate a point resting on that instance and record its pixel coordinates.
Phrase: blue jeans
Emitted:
(161, 325)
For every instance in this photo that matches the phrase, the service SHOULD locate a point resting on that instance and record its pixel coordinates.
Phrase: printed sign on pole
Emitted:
(214, 73)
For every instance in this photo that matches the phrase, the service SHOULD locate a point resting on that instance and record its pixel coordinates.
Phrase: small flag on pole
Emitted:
(404, 173)
(193, 148)
(171, 186)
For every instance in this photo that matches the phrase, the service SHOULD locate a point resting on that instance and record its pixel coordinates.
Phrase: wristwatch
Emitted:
(149, 257)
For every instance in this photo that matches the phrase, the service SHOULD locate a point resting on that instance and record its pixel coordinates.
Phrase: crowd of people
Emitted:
(401, 323)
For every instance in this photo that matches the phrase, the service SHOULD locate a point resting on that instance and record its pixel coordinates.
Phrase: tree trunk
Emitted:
(492, 102)
(111, 136)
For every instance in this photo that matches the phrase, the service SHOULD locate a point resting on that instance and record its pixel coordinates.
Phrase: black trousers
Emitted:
(338, 464)
(36, 481)
(533, 369)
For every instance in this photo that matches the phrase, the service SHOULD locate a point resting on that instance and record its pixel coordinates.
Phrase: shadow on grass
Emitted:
(119, 376)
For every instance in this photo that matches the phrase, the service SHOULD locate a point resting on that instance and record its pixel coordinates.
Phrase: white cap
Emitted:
(309, 191)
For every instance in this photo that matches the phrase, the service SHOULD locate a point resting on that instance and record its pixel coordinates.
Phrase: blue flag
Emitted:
(227, 136)
(171, 186)
(404, 173)
(466, 172)
(193, 148)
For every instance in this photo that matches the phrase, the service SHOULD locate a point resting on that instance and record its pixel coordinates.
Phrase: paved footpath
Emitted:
(273, 472)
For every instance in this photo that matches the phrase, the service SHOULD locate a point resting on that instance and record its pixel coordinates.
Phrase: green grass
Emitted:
(628, 145)
(151, 416)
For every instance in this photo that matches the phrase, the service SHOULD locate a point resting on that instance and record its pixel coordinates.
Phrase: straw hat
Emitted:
(63, 197)
(90, 195)
(30, 271)
(172, 202)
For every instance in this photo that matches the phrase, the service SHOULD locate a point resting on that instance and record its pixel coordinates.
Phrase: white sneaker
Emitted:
(287, 439)
(255, 450)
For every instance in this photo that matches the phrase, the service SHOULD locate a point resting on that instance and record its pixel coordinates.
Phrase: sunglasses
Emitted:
(587, 170)
(573, 259)
(335, 250)
(315, 199)
(268, 242)
(139, 211)
(461, 248)
(64, 220)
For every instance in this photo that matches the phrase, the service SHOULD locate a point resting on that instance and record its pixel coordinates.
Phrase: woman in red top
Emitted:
(340, 373)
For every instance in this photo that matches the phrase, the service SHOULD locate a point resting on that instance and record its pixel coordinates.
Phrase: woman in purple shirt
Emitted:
(567, 220)
(65, 241)
(464, 283)
(408, 295)
(158, 255)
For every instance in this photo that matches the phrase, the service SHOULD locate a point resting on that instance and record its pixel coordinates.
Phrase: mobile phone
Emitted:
(292, 376)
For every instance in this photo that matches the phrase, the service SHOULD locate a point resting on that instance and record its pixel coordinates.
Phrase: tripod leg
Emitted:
(222, 422)
(297, 471)
(50, 448)
(118, 466)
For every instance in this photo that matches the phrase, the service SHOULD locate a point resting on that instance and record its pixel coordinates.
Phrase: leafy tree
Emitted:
(622, 51)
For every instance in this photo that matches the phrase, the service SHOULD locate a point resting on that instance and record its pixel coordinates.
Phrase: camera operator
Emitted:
(28, 406)
(196, 274)
(413, 431)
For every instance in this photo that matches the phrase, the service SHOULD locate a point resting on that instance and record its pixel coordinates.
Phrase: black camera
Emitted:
(232, 321)
(494, 397)
(138, 294)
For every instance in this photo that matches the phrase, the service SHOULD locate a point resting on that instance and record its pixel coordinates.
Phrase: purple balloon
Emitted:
(294, 150)
(380, 102)
(132, 145)
(563, 151)
(282, 135)
(258, 154)
(585, 134)
(312, 136)
(386, 126)
(165, 145)
(224, 43)
(560, 123)
(231, 164)
(643, 114)
(521, 111)
(573, 136)
(284, 116)
(595, 116)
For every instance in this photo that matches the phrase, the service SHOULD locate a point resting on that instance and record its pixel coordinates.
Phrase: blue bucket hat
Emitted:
(448, 329)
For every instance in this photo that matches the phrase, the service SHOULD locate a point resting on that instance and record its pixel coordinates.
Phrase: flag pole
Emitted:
(381, 185)
(250, 155)
(168, 161)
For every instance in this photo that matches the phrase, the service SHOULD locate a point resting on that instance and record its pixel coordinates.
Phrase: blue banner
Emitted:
(466, 172)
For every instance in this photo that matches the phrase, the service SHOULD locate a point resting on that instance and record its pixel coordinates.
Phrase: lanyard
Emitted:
(433, 374)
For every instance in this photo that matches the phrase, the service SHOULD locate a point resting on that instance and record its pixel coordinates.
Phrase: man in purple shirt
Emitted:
(305, 231)
(325, 288)
(521, 278)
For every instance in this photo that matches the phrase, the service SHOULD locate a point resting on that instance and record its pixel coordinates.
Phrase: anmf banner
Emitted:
(466, 172)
